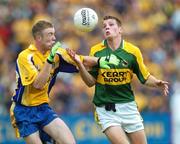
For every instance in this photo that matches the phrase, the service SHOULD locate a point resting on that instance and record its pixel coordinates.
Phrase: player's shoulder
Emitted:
(26, 52)
(97, 47)
(131, 48)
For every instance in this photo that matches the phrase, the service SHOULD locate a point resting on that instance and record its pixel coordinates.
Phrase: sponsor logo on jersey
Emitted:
(114, 76)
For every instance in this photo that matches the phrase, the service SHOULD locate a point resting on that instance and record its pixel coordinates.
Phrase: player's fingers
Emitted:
(165, 82)
(166, 86)
(166, 90)
(70, 52)
(106, 67)
(162, 83)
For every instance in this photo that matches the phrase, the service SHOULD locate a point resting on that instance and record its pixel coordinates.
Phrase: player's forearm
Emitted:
(152, 81)
(43, 76)
(87, 78)
(90, 61)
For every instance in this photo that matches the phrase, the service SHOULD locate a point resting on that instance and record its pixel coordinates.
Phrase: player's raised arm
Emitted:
(89, 61)
(87, 78)
(154, 82)
(44, 74)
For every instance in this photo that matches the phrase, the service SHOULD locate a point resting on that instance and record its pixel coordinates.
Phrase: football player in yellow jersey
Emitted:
(116, 109)
(36, 71)
(30, 112)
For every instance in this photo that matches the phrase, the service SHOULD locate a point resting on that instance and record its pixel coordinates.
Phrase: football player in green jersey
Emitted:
(116, 109)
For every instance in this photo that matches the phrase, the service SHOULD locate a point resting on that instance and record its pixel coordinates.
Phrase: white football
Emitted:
(85, 19)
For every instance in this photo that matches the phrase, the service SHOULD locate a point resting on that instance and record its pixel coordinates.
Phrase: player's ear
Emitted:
(38, 37)
(120, 30)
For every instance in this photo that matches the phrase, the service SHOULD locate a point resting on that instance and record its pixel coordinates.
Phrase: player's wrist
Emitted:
(51, 56)
(49, 61)
(98, 61)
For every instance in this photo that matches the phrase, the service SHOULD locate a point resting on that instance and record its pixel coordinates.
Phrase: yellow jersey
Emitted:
(29, 63)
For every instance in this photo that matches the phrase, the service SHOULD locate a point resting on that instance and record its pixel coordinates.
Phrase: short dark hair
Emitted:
(40, 26)
(113, 17)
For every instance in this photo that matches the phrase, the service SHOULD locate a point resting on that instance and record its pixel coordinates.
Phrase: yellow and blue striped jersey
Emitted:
(29, 63)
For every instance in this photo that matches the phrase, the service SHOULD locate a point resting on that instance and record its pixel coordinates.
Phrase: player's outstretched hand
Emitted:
(164, 85)
(50, 58)
(73, 55)
(105, 61)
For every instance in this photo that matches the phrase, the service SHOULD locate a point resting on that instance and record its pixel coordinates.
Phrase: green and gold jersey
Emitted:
(113, 85)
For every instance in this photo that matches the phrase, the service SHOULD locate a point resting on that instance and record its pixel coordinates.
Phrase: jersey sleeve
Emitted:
(66, 63)
(26, 70)
(92, 51)
(94, 70)
(66, 57)
(139, 67)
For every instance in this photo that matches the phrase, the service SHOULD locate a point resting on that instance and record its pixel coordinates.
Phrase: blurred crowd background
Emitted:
(153, 26)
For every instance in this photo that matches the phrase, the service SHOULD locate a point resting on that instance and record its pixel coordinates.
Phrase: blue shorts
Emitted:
(32, 119)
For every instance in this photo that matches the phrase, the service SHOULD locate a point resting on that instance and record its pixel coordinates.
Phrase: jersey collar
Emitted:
(32, 47)
(106, 44)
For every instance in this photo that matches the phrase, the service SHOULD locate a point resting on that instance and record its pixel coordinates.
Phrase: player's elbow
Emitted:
(90, 84)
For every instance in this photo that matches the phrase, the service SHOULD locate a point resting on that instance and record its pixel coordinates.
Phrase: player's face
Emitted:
(111, 29)
(48, 38)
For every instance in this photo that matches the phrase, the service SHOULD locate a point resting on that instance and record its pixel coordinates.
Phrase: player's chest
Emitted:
(39, 61)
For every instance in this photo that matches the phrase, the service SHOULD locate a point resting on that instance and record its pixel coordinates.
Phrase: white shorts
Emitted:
(127, 116)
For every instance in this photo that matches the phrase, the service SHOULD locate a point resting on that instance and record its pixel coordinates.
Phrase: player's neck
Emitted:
(40, 48)
(114, 43)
